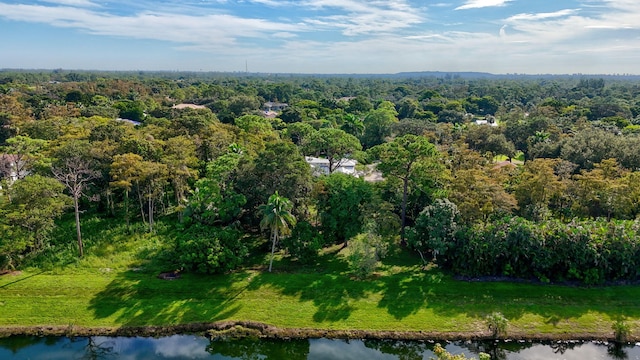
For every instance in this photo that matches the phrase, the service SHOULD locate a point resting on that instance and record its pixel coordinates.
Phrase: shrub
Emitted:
(6, 262)
(591, 252)
(304, 243)
(365, 250)
(434, 229)
(210, 250)
(497, 324)
(621, 331)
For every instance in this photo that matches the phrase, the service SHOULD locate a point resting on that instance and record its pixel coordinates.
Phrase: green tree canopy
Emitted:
(334, 144)
(408, 158)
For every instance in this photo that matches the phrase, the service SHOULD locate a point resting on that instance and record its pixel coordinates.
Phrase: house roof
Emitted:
(314, 161)
(188, 106)
(133, 122)
(272, 104)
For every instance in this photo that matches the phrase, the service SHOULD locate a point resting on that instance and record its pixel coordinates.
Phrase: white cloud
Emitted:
(306, 37)
(542, 16)
(611, 26)
(284, 35)
(217, 29)
(81, 3)
(274, 3)
(503, 31)
(576, 28)
(474, 4)
(359, 17)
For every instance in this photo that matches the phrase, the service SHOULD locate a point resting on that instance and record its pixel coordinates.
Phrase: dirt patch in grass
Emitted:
(10, 273)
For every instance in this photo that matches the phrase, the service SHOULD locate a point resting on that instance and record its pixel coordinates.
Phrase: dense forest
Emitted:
(525, 177)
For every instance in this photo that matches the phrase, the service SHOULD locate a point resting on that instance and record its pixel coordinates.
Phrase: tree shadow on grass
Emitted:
(404, 294)
(331, 291)
(405, 290)
(141, 299)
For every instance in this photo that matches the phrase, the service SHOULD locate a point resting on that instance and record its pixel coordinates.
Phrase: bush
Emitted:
(365, 250)
(497, 324)
(304, 243)
(621, 331)
(591, 252)
(340, 203)
(6, 262)
(434, 229)
(210, 250)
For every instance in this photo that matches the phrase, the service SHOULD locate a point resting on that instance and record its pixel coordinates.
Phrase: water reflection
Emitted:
(250, 349)
(99, 348)
(196, 347)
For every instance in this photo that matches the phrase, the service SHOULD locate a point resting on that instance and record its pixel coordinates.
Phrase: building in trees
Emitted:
(320, 166)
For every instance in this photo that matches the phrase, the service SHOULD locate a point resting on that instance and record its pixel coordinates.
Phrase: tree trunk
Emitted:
(110, 205)
(403, 217)
(273, 247)
(78, 232)
(144, 219)
(179, 197)
(126, 207)
(150, 214)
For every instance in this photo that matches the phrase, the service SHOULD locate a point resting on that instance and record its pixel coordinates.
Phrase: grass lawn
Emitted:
(518, 159)
(116, 285)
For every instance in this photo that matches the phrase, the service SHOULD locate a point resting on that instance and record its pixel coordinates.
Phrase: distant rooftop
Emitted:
(188, 106)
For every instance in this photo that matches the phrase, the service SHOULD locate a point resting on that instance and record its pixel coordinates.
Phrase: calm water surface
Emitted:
(197, 347)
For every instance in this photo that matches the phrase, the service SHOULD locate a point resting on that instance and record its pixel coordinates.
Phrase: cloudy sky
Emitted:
(324, 36)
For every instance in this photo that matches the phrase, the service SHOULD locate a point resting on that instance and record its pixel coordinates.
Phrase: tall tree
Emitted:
(214, 200)
(153, 177)
(407, 158)
(124, 174)
(335, 144)
(537, 186)
(278, 218)
(24, 153)
(280, 166)
(377, 124)
(601, 191)
(35, 203)
(340, 202)
(352, 124)
(181, 161)
(479, 193)
(76, 174)
(299, 131)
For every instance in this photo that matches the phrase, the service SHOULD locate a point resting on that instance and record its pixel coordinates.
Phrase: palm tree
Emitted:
(277, 216)
(352, 124)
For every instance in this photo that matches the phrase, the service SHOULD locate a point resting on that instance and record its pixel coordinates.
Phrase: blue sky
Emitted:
(324, 36)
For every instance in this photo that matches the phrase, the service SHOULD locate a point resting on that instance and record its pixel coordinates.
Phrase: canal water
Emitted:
(197, 347)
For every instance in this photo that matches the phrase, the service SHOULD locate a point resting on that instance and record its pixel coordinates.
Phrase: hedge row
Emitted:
(591, 252)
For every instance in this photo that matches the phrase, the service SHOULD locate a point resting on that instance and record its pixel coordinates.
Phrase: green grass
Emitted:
(518, 159)
(115, 285)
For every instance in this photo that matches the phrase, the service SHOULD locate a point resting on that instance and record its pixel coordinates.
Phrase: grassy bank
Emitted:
(116, 286)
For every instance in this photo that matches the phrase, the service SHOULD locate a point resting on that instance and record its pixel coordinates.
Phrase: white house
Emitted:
(488, 120)
(321, 166)
(128, 121)
(9, 168)
(274, 106)
(188, 106)
(347, 166)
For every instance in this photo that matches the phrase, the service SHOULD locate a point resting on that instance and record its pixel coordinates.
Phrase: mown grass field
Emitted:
(116, 285)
